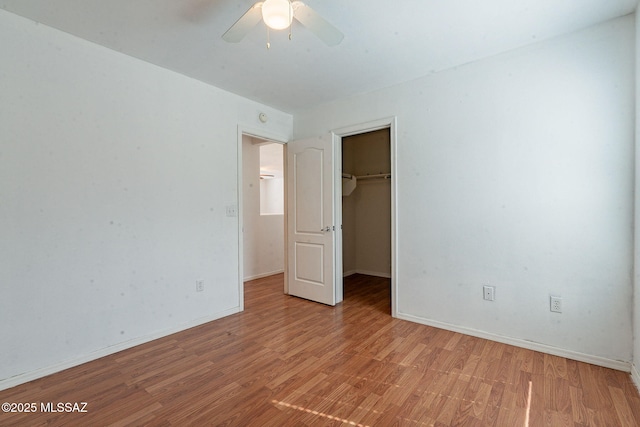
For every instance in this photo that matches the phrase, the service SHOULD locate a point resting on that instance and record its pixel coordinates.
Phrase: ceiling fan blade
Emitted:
(245, 24)
(316, 24)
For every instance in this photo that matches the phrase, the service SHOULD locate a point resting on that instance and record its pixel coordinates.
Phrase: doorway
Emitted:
(263, 208)
(366, 210)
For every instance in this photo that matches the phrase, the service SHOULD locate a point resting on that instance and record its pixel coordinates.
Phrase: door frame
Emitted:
(385, 123)
(271, 137)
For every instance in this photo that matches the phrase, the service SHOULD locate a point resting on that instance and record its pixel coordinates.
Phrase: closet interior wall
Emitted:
(366, 212)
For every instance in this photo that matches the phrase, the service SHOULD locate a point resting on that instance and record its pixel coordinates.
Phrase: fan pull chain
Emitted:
(290, 21)
(268, 40)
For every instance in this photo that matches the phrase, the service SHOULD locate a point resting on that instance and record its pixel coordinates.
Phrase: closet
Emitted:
(366, 204)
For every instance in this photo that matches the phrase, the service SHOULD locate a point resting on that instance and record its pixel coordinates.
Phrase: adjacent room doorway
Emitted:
(262, 208)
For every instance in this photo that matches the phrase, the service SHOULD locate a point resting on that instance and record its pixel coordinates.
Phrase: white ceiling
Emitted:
(386, 42)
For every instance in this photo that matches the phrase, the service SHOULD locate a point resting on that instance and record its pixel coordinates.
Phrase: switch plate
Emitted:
(199, 285)
(489, 293)
(556, 304)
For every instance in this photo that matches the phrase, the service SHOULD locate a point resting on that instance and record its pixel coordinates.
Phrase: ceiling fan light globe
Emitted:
(277, 14)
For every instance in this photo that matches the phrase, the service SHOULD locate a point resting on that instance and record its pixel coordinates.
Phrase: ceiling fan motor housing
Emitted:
(277, 14)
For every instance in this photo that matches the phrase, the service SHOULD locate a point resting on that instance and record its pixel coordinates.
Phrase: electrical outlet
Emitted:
(231, 210)
(556, 304)
(489, 293)
(199, 285)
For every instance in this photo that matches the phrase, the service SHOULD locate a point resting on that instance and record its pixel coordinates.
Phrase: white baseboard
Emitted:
(367, 273)
(43, 372)
(635, 376)
(530, 345)
(261, 275)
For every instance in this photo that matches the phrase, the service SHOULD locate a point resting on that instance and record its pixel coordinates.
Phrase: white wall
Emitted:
(272, 189)
(115, 177)
(272, 196)
(516, 171)
(271, 250)
(263, 237)
(250, 206)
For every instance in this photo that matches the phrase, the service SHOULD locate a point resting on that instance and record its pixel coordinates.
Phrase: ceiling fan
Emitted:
(278, 15)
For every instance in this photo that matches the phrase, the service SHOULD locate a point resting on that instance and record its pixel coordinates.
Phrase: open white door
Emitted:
(311, 227)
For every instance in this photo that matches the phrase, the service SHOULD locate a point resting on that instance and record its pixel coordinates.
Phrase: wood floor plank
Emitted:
(288, 362)
(625, 415)
(494, 403)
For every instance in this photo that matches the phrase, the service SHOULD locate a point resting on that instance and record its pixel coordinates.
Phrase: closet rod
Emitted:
(379, 175)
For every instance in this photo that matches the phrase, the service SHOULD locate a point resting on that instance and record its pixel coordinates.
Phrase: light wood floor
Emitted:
(290, 362)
